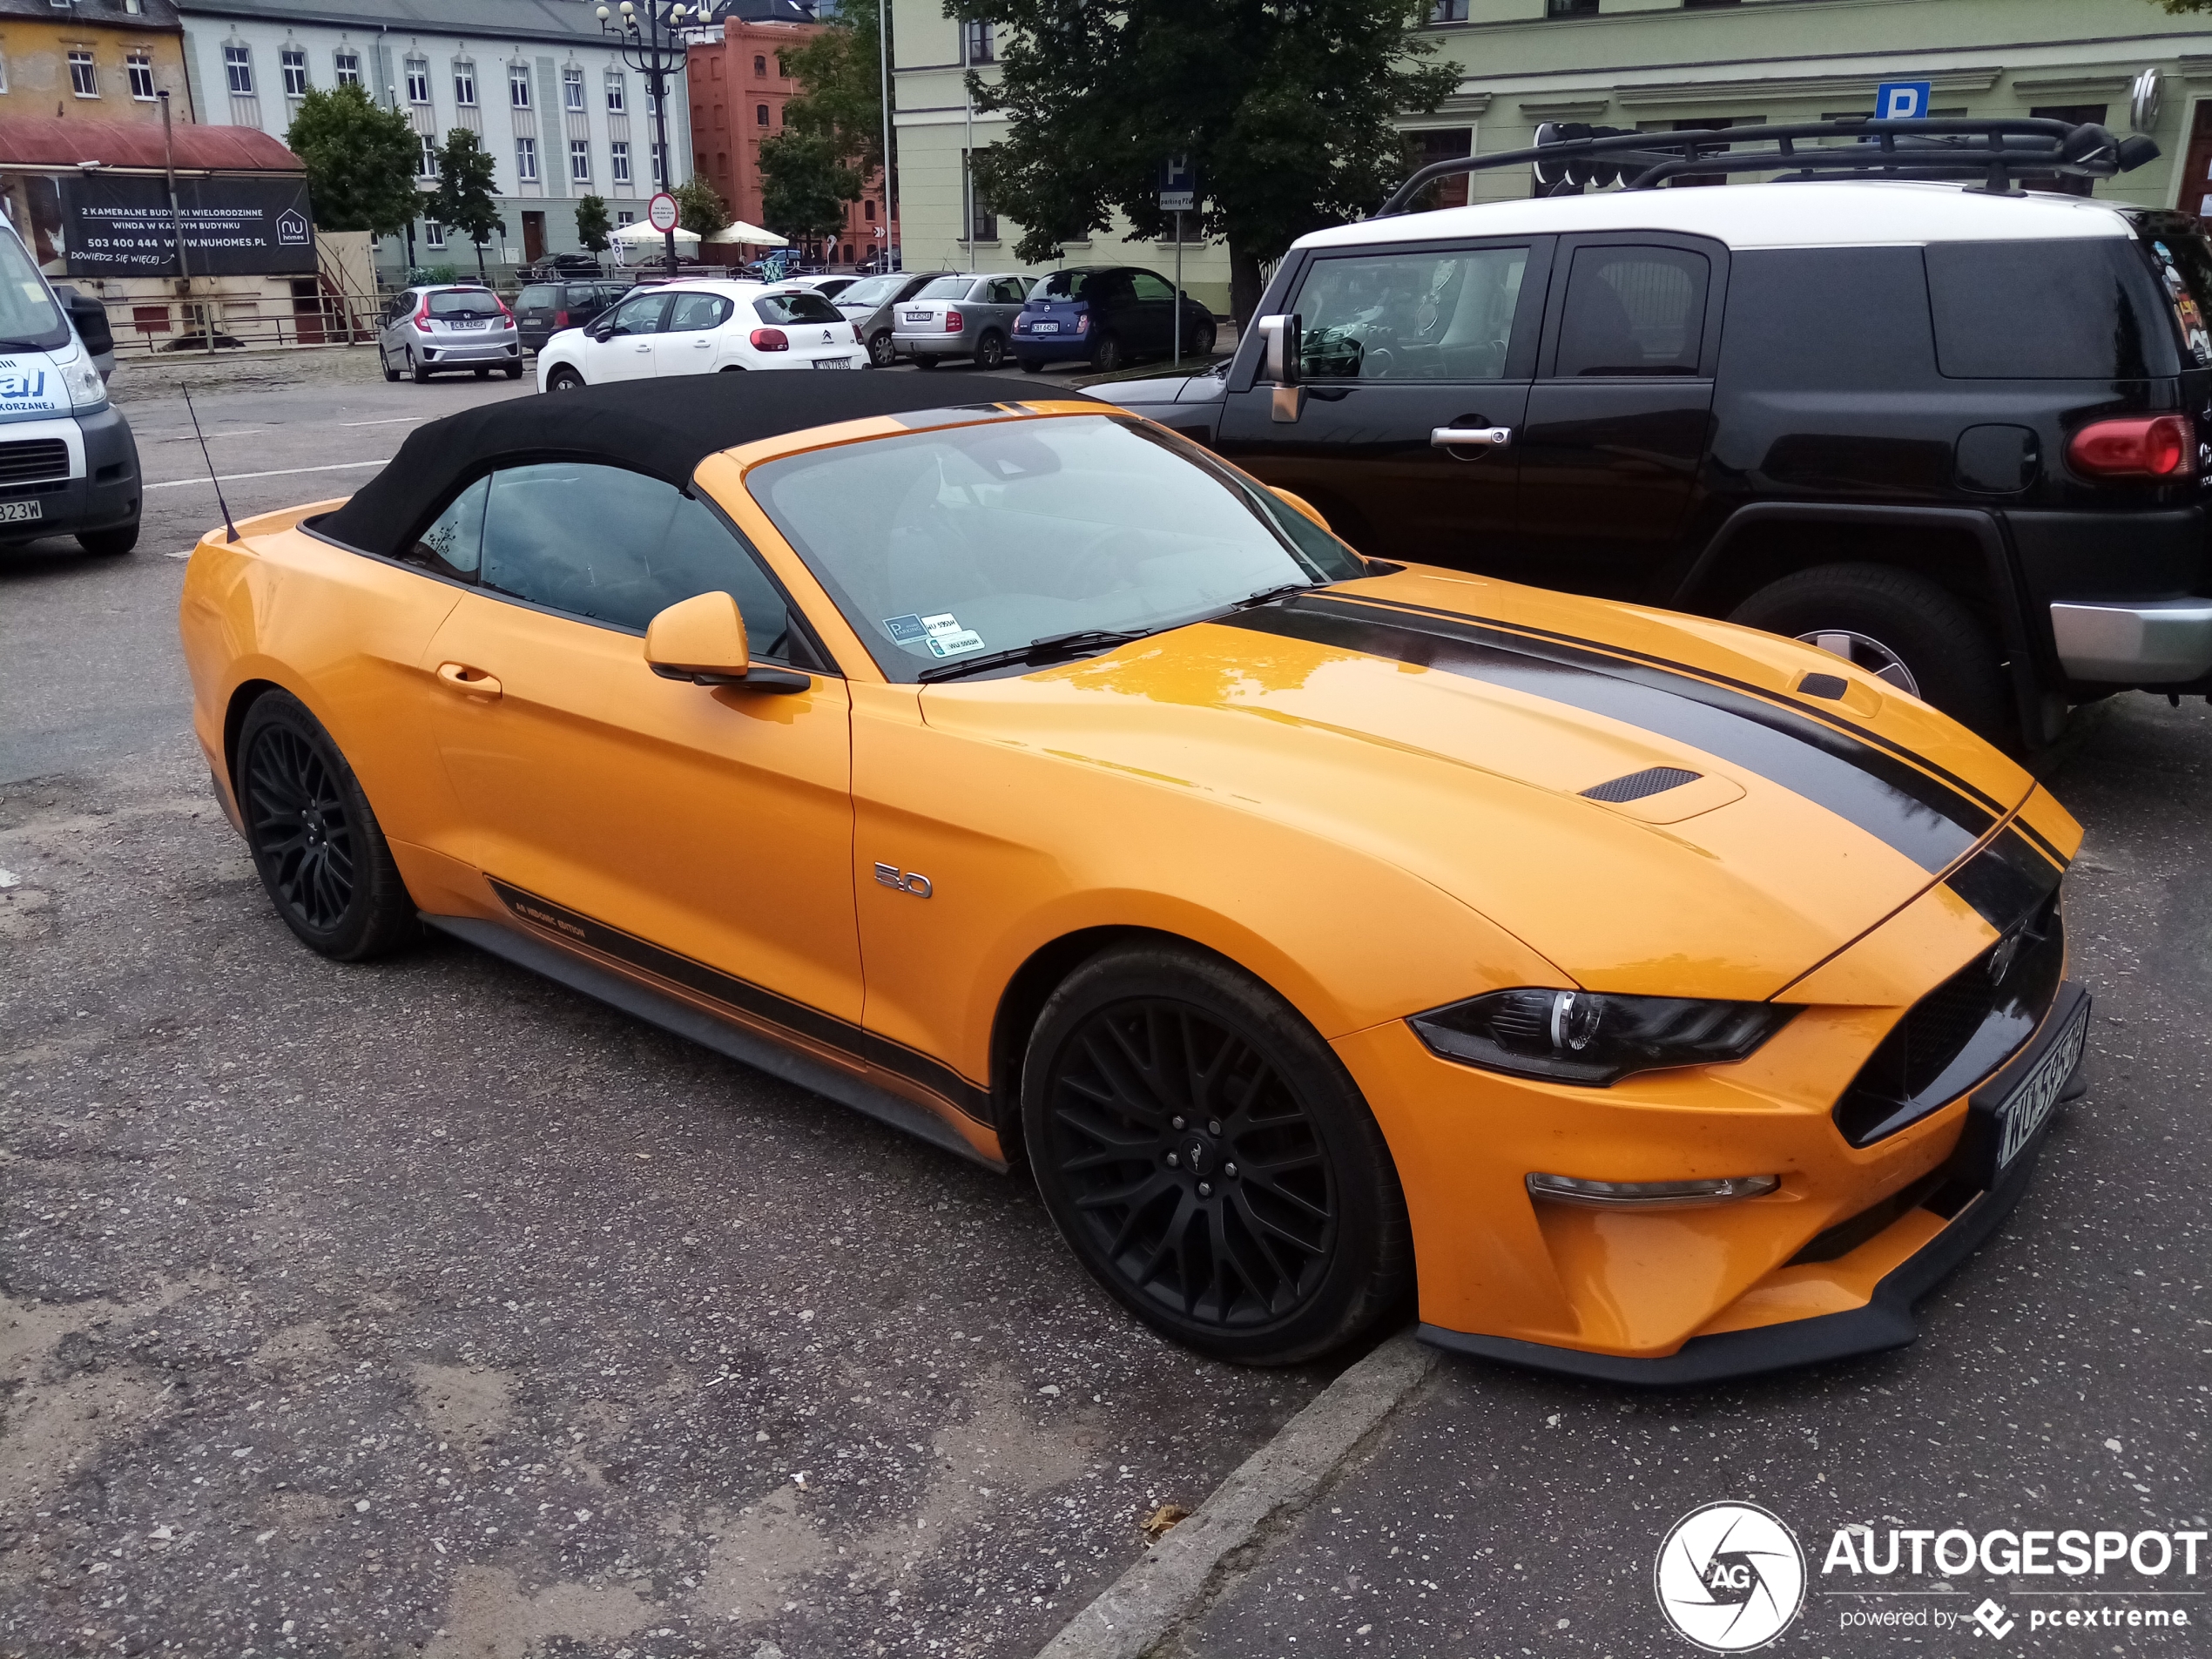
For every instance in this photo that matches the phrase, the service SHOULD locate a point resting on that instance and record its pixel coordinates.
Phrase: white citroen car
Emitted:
(700, 328)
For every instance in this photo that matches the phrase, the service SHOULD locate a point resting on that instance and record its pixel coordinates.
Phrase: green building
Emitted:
(1647, 64)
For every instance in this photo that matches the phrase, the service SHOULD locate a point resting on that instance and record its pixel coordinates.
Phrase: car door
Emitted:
(1152, 313)
(688, 343)
(626, 352)
(1620, 416)
(643, 815)
(1398, 344)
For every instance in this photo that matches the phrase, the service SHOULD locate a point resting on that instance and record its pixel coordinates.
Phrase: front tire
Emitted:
(1209, 1160)
(565, 379)
(881, 352)
(1900, 627)
(109, 544)
(320, 852)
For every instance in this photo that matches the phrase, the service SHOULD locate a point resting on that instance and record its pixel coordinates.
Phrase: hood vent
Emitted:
(1636, 785)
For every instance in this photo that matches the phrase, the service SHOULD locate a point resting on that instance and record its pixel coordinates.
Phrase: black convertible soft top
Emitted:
(664, 427)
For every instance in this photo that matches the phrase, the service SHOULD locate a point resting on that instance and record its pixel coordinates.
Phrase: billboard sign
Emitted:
(119, 225)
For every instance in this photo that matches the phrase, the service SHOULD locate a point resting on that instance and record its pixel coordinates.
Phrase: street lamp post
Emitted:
(652, 43)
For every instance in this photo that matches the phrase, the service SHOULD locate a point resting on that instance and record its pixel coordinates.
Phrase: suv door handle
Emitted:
(474, 682)
(1454, 437)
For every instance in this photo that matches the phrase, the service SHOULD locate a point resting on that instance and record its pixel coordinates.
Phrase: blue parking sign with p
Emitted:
(1901, 101)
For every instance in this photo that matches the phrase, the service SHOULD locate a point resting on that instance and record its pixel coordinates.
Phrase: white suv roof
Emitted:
(1829, 213)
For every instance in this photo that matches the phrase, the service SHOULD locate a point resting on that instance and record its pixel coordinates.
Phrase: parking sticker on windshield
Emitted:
(906, 630)
(956, 643)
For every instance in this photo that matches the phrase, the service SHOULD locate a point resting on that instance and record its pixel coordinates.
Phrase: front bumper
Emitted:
(1775, 1325)
(2148, 642)
(106, 495)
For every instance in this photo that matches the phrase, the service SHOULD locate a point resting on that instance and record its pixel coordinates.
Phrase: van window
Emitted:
(2049, 311)
(29, 321)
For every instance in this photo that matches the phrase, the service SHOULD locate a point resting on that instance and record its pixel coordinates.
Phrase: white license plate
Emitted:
(832, 362)
(2021, 1118)
(921, 316)
(485, 324)
(18, 512)
(1044, 328)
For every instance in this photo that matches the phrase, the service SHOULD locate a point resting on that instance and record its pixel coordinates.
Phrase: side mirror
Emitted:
(701, 640)
(1300, 504)
(1280, 339)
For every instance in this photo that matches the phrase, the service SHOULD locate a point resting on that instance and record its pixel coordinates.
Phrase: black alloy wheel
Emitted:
(565, 379)
(1106, 353)
(990, 351)
(319, 850)
(1209, 1160)
(882, 352)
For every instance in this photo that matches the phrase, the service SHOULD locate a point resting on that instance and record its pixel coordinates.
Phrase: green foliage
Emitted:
(2180, 6)
(841, 71)
(362, 161)
(441, 274)
(700, 208)
(804, 185)
(467, 187)
(1288, 107)
(593, 228)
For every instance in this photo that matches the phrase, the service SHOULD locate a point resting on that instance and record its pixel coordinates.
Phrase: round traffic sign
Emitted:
(660, 212)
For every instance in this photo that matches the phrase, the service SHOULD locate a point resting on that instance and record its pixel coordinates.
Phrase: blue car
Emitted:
(1109, 316)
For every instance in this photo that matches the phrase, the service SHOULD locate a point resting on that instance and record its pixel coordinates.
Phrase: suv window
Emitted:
(614, 547)
(640, 315)
(539, 296)
(1425, 316)
(1633, 311)
(694, 313)
(2181, 259)
(2047, 311)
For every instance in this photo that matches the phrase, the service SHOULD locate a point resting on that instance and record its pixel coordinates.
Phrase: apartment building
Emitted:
(539, 82)
(1654, 65)
(93, 60)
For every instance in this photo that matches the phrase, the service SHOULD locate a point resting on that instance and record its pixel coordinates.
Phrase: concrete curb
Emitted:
(1181, 1574)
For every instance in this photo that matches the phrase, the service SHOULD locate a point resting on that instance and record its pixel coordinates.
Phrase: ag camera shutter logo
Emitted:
(1730, 1577)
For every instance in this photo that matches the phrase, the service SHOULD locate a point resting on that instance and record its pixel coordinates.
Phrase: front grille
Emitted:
(1960, 1032)
(36, 461)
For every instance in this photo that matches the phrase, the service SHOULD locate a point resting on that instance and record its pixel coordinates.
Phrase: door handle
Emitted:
(703, 344)
(1472, 437)
(472, 681)
(645, 345)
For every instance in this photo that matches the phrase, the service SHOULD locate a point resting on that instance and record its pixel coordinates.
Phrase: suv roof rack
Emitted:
(1566, 158)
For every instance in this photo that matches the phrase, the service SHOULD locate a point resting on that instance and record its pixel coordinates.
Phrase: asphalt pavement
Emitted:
(427, 1307)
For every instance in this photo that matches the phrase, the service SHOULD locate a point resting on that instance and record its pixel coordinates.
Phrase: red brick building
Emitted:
(738, 89)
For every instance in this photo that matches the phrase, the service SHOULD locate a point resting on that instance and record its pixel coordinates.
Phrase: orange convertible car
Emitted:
(1662, 1001)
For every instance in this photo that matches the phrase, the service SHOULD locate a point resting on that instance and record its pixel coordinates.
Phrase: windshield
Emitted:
(873, 291)
(464, 302)
(538, 296)
(29, 317)
(979, 539)
(951, 287)
(802, 306)
(1063, 285)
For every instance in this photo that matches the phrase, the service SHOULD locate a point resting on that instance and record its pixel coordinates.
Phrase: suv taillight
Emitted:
(2159, 445)
(771, 340)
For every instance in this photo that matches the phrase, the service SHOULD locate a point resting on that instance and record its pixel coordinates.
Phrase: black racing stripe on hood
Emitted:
(2007, 882)
(1825, 716)
(1930, 824)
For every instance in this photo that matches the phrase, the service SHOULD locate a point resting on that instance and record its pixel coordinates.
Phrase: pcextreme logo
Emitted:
(1730, 1577)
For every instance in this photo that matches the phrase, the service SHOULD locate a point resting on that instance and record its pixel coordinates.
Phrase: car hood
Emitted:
(1656, 804)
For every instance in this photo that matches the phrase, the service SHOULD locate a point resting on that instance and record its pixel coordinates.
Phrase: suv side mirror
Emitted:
(701, 640)
(1279, 338)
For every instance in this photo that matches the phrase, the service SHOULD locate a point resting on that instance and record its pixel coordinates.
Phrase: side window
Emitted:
(620, 548)
(693, 313)
(641, 315)
(1426, 316)
(1009, 291)
(1633, 311)
(453, 545)
(1149, 286)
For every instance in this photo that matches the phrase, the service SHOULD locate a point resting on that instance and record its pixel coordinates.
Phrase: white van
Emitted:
(68, 465)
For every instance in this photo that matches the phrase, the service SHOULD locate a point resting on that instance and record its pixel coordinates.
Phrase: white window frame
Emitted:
(83, 73)
(139, 68)
(618, 162)
(660, 166)
(617, 93)
(291, 64)
(428, 168)
(572, 87)
(345, 68)
(526, 160)
(238, 71)
(579, 161)
(464, 82)
(518, 86)
(418, 80)
(433, 234)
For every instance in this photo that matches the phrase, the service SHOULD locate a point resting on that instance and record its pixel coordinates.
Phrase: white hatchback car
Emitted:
(700, 328)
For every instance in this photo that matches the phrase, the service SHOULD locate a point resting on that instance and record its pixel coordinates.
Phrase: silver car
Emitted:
(871, 305)
(960, 316)
(431, 331)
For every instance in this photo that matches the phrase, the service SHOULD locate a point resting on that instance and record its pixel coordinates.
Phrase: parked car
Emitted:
(1109, 316)
(827, 285)
(960, 316)
(1303, 922)
(1957, 438)
(439, 330)
(879, 264)
(69, 464)
(560, 266)
(700, 328)
(543, 309)
(871, 305)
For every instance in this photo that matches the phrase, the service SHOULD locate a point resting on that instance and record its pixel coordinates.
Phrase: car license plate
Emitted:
(18, 512)
(1999, 1131)
(485, 324)
(1044, 328)
(921, 316)
(832, 362)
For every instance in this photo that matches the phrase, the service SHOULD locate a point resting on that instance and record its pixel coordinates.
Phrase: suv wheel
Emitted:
(1209, 1160)
(1901, 627)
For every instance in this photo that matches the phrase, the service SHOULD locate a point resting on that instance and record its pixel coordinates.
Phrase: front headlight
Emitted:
(1594, 1038)
(81, 375)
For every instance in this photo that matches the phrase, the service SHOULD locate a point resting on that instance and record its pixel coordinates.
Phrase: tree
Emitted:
(700, 208)
(363, 161)
(593, 228)
(1288, 109)
(466, 186)
(804, 185)
(840, 72)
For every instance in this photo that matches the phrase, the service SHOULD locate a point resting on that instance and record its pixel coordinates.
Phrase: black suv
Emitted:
(543, 309)
(1955, 433)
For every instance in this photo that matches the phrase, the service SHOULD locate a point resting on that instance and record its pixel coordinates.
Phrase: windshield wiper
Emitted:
(1269, 596)
(1052, 648)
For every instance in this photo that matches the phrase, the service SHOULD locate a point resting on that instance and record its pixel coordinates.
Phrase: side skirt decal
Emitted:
(1925, 819)
(971, 1100)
